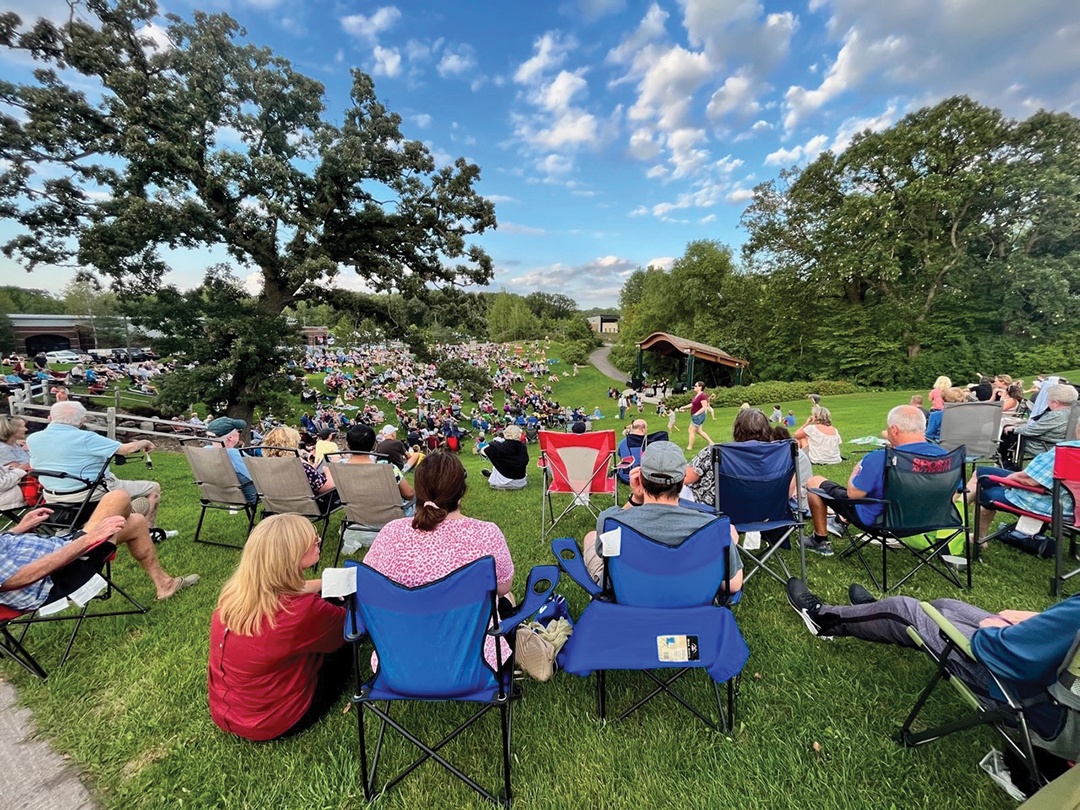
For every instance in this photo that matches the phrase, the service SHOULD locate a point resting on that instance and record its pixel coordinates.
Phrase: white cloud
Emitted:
(513, 227)
(387, 61)
(808, 151)
(369, 27)
(592, 9)
(707, 220)
(550, 51)
(642, 144)
(555, 165)
(456, 62)
(756, 129)
(667, 85)
(500, 198)
(738, 94)
(422, 120)
(853, 126)
(738, 195)
(657, 171)
(663, 262)
(559, 92)
(653, 26)
(253, 282)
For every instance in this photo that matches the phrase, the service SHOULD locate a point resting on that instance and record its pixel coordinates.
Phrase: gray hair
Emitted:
(68, 412)
(907, 419)
(1061, 394)
(9, 426)
(821, 414)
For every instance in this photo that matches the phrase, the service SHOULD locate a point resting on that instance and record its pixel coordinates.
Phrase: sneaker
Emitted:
(835, 526)
(806, 604)
(486, 473)
(822, 547)
(858, 595)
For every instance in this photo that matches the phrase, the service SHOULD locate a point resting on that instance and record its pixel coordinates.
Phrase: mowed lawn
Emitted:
(814, 725)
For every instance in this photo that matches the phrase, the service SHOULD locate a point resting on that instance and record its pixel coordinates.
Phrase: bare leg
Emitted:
(819, 512)
(155, 499)
(691, 433)
(705, 436)
(136, 535)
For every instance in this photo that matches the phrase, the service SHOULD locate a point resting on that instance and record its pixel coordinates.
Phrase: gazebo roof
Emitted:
(663, 343)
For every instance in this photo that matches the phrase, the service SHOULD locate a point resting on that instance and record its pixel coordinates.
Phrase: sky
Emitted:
(611, 133)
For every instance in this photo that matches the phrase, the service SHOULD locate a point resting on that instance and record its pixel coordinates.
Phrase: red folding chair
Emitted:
(1066, 481)
(579, 465)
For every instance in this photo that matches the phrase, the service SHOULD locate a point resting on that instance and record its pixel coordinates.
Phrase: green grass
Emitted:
(130, 706)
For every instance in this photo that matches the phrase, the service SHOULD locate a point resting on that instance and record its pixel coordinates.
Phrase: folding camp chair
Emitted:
(1066, 483)
(369, 495)
(283, 488)
(753, 488)
(575, 464)
(629, 454)
(975, 426)
(219, 485)
(658, 607)
(20, 621)
(430, 643)
(67, 517)
(1023, 449)
(1009, 714)
(918, 498)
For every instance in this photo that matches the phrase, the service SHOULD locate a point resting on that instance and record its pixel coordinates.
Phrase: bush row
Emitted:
(768, 393)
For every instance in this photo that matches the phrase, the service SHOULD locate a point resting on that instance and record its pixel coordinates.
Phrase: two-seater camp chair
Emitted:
(658, 607)
(920, 516)
(1015, 715)
(430, 643)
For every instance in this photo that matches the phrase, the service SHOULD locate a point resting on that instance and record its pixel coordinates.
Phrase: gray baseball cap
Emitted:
(663, 463)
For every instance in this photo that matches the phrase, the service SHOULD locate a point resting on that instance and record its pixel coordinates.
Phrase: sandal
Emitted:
(179, 583)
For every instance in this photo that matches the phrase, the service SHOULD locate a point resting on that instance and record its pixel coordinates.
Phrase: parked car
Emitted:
(65, 356)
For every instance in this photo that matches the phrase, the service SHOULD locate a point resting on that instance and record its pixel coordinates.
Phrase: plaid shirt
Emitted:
(16, 552)
(1041, 469)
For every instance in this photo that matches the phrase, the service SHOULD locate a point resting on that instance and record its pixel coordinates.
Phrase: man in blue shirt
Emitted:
(905, 431)
(226, 431)
(1021, 647)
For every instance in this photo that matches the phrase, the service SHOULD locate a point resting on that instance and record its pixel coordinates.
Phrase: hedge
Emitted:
(768, 393)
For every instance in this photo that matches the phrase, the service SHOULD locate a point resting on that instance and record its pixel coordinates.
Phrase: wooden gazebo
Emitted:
(691, 350)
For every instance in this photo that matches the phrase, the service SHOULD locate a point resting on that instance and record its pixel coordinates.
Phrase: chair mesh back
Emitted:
(283, 485)
(920, 489)
(578, 463)
(1074, 419)
(974, 425)
(369, 493)
(753, 480)
(214, 474)
(1067, 686)
(430, 639)
(1067, 471)
(651, 574)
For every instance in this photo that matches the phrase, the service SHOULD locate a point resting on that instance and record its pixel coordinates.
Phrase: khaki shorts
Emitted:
(139, 491)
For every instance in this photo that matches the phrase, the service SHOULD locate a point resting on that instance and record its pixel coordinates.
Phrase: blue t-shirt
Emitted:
(869, 476)
(933, 426)
(1028, 655)
(66, 448)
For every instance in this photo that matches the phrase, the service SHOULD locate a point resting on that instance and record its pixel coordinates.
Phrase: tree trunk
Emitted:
(913, 349)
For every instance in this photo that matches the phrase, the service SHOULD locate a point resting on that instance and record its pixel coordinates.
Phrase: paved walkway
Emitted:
(599, 358)
(32, 775)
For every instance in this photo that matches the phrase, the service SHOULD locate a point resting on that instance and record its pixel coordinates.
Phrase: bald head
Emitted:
(639, 426)
(908, 423)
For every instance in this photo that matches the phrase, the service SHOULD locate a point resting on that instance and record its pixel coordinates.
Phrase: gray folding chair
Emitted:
(219, 485)
(1022, 449)
(974, 425)
(284, 489)
(369, 495)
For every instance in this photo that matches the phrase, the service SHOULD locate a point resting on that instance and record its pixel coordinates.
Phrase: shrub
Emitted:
(576, 352)
(768, 393)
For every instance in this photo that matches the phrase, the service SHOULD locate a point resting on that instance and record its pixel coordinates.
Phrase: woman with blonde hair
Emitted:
(819, 438)
(277, 649)
(936, 395)
(281, 442)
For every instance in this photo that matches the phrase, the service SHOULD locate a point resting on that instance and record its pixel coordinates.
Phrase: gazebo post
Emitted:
(690, 371)
(639, 364)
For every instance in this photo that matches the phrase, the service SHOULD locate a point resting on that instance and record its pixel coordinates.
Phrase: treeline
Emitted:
(946, 244)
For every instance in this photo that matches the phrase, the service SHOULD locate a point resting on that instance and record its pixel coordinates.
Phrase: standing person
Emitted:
(278, 660)
(936, 395)
(672, 426)
(699, 409)
(623, 405)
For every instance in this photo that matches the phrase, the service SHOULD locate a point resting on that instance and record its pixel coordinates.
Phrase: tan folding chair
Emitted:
(284, 489)
(219, 485)
(369, 493)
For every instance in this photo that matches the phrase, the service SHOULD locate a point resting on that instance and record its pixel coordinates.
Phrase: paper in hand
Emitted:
(338, 582)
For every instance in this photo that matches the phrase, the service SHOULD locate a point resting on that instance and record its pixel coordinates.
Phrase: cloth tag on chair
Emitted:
(54, 607)
(1029, 525)
(752, 541)
(95, 585)
(338, 582)
(677, 649)
(611, 543)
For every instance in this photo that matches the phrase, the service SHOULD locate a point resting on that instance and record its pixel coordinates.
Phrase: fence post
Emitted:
(45, 394)
(110, 423)
(116, 399)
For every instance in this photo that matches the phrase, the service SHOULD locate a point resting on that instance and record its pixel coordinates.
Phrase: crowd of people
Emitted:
(277, 659)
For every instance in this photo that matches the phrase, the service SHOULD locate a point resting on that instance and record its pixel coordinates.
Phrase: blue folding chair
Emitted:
(628, 454)
(659, 607)
(430, 643)
(753, 488)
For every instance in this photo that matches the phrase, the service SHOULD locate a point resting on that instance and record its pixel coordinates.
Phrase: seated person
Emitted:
(361, 442)
(1021, 647)
(389, 445)
(1038, 473)
(325, 445)
(819, 438)
(38, 569)
(280, 441)
(64, 446)
(1042, 431)
(630, 448)
(653, 509)
(905, 431)
(278, 659)
(509, 457)
(226, 431)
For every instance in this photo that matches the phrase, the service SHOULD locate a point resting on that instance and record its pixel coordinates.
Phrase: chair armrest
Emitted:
(707, 508)
(568, 556)
(1012, 483)
(354, 626)
(827, 497)
(948, 629)
(542, 582)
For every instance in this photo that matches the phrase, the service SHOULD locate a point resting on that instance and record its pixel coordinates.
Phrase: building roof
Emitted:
(663, 343)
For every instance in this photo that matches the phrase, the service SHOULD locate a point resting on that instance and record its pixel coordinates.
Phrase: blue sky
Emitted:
(611, 133)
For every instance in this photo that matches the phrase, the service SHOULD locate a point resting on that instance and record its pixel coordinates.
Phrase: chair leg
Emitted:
(198, 527)
(601, 693)
(11, 647)
(505, 714)
(74, 632)
(360, 709)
